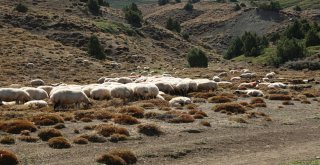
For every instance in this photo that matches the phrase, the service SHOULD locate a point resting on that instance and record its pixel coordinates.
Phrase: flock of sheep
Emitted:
(132, 88)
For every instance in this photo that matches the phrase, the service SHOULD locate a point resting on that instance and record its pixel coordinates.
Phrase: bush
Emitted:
(49, 133)
(107, 130)
(219, 99)
(173, 25)
(312, 38)
(279, 97)
(194, 1)
(8, 158)
(178, 1)
(103, 3)
(133, 15)
(126, 120)
(134, 111)
(235, 49)
(94, 138)
(273, 6)
(110, 159)
(80, 140)
(59, 143)
(95, 49)
(21, 8)
(118, 137)
(188, 7)
(28, 139)
(185, 35)
(48, 119)
(93, 6)
(7, 140)
(297, 8)
(243, 5)
(294, 31)
(289, 49)
(205, 123)
(229, 107)
(300, 65)
(237, 7)
(184, 118)
(251, 44)
(16, 126)
(163, 2)
(126, 155)
(197, 58)
(149, 129)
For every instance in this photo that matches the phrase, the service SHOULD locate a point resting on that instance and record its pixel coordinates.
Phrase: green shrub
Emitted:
(312, 38)
(300, 65)
(185, 35)
(163, 2)
(288, 50)
(21, 8)
(237, 7)
(274, 37)
(95, 49)
(133, 15)
(103, 3)
(188, 7)
(173, 25)
(233, 0)
(221, 1)
(273, 6)
(243, 5)
(197, 58)
(294, 30)
(194, 1)
(93, 6)
(178, 1)
(251, 44)
(297, 8)
(235, 49)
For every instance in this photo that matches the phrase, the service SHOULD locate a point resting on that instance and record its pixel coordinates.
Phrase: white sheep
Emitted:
(46, 88)
(12, 94)
(277, 85)
(245, 71)
(36, 93)
(248, 75)
(36, 104)
(250, 92)
(124, 80)
(100, 93)
(165, 87)
(30, 65)
(206, 85)
(270, 75)
(120, 91)
(64, 97)
(247, 85)
(145, 90)
(216, 78)
(37, 82)
(235, 79)
(180, 101)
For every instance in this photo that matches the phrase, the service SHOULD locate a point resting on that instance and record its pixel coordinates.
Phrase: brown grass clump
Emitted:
(238, 120)
(59, 126)
(110, 159)
(267, 118)
(157, 102)
(204, 95)
(89, 127)
(76, 131)
(102, 115)
(311, 93)
(151, 115)
(305, 102)
(191, 106)
(118, 137)
(287, 103)
(198, 116)
(199, 100)
(107, 130)
(126, 120)
(25, 133)
(192, 112)
(184, 118)
(201, 113)
(134, 111)
(48, 119)
(48, 133)
(80, 140)
(16, 126)
(126, 155)
(78, 115)
(116, 102)
(86, 120)
(28, 139)
(150, 129)
(219, 99)
(230, 107)
(7, 140)
(279, 97)
(59, 143)
(256, 100)
(8, 158)
(94, 138)
(205, 123)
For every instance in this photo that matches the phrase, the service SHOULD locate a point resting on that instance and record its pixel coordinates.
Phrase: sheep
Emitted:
(145, 90)
(36, 93)
(180, 101)
(262, 85)
(206, 85)
(101, 80)
(234, 71)
(30, 65)
(216, 78)
(270, 75)
(37, 82)
(100, 93)
(248, 75)
(36, 104)
(245, 71)
(120, 91)
(124, 80)
(250, 92)
(46, 88)
(87, 89)
(225, 84)
(65, 97)
(223, 74)
(182, 87)
(247, 85)
(165, 87)
(12, 94)
(277, 85)
(235, 79)
(146, 68)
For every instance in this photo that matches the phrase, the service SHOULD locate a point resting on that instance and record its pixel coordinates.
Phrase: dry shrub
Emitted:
(76, 131)
(16, 126)
(219, 99)
(80, 140)
(204, 95)
(125, 154)
(118, 137)
(150, 129)
(116, 102)
(205, 123)
(238, 120)
(305, 102)
(165, 109)
(287, 103)
(25, 133)
(48, 133)
(28, 139)
(8, 158)
(168, 97)
(7, 140)
(94, 138)
(59, 126)
(110, 159)
(151, 115)
(47, 119)
(157, 102)
(199, 100)
(86, 120)
(280, 106)
(134, 111)
(67, 117)
(279, 97)
(89, 127)
(311, 93)
(281, 91)
(201, 113)
(103, 115)
(192, 112)
(78, 115)
(267, 118)
(147, 105)
(107, 130)
(198, 116)
(260, 105)
(126, 120)
(184, 118)
(191, 106)
(230, 107)
(256, 100)
(59, 143)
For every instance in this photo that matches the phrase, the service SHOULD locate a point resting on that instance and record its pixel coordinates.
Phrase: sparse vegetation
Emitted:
(272, 5)
(7, 140)
(184, 118)
(134, 111)
(21, 8)
(197, 58)
(173, 25)
(107, 130)
(48, 133)
(229, 107)
(126, 120)
(8, 158)
(312, 38)
(16, 126)
(149, 129)
(28, 139)
(279, 97)
(118, 137)
(48, 119)
(205, 123)
(219, 99)
(95, 49)
(110, 159)
(94, 138)
(128, 156)
(59, 143)
(80, 140)
(188, 7)
(163, 2)
(133, 15)
(93, 6)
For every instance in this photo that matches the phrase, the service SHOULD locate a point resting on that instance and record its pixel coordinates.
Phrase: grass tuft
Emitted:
(16, 126)
(48, 133)
(8, 158)
(59, 143)
(150, 129)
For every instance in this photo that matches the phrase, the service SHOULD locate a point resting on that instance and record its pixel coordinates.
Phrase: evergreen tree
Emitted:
(95, 49)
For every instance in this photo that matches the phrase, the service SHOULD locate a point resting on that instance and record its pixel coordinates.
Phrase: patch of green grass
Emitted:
(122, 3)
(314, 49)
(114, 27)
(305, 162)
(264, 58)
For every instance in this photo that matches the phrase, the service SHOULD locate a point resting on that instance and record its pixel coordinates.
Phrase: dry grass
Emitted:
(116, 102)
(134, 111)
(48, 133)
(204, 95)
(184, 118)
(198, 116)
(235, 108)
(128, 156)
(25, 133)
(59, 126)
(47, 119)
(107, 130)
(205, 123)
(28, 139)
(219, 99)
(16, 126)
(267, 118)
(118, 137)
(312, 93)
(8, 158)
(78, 115)
(89, 127)
(279, 97)
(151, 115)
(7, 140)
(238, 120)
(86, 120)
(94, 138)
(199, 100)
(305, 102)
(110, 159)
(256, 100)
(150, 129)
(126, 120)
(157, 102)
(103, 115)
(191, 106)
(287, 103)
(59, 143)
(80, 140)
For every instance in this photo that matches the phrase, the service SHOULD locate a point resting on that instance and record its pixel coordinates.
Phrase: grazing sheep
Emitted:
(88, 88)
(250, 92)
(223, 74)
(101, 80)
(30, 65)
(64, 97)
(216, 78)
(36, 93)
(12, 94)
(277, 85)
(262, 85)
(245, 71)
(234, 71)
(206, 85)
(46, 88)
(145, 90)
(165, 87)
(182, 87)
(270, 75)
(100, 93)
(37, 82)
(120, 91)
(247, 85)
(248, 75)
(235, 79)
(36, 104)
(180, 101)
(124, 80)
